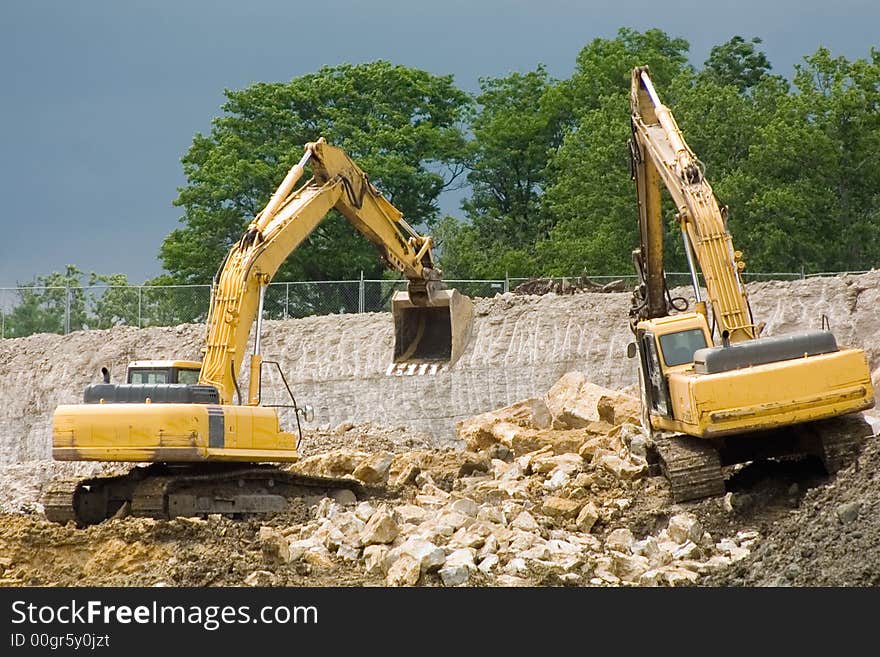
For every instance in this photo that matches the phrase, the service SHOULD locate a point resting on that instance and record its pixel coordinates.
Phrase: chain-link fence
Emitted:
(673, 279)
(27, 310)
(34, 309)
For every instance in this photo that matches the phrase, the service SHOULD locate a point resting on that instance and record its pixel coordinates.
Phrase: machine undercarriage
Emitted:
(695, 467)
(164, 491)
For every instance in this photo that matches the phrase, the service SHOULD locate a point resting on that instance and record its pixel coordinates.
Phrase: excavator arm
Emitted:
(286, 221)
(660, 154)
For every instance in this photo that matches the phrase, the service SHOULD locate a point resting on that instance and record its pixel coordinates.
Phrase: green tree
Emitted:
(807, 194)
(737, 62)
(49, 304)
(165, 303)
(590, 197)
(604, 67)
(116, 304)
(403, 126)
(550, 185)
(515, 132)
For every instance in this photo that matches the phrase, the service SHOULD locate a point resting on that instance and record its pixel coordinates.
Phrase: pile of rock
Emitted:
(677, 555)
(529, 502)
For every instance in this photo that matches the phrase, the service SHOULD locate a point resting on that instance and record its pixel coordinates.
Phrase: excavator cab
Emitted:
(665, 345)
(163, 371)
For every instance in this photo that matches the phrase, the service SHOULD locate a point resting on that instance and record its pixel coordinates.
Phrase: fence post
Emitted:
(361, 296)
(140, 291)
(506, 282)
(66, 309)
(287, 301)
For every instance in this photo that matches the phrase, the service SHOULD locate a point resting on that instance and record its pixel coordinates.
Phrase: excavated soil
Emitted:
(143, 552)
(781, 523)
(831, 538)
(793, 508)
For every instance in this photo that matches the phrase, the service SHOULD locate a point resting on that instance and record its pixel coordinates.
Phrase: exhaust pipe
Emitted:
(435, 331)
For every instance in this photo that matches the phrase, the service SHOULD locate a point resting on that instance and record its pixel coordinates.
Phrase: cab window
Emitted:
(189, 377)
(148, 377)
(678, 348)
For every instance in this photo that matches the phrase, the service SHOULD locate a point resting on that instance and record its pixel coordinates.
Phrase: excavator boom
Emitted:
(662, 153)
(286, 221)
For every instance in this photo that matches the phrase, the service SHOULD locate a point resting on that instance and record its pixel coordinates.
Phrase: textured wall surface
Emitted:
(338, 363)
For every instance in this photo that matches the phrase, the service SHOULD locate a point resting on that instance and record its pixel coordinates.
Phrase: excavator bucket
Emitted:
(437, 332)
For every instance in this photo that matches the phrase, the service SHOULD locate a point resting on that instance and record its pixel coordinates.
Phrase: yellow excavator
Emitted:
(207, 446)
(747, 396)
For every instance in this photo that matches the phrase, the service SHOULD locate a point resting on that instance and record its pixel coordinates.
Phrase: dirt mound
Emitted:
(144, 552)
(366, 437)
(831, 539)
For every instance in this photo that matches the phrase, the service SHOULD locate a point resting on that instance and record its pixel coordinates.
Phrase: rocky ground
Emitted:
(549, 491)
(831, 538)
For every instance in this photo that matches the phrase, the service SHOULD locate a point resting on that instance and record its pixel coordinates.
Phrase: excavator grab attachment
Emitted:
(436, 329)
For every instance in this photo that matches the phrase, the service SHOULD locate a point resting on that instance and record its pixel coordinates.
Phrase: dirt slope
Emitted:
(832, 538)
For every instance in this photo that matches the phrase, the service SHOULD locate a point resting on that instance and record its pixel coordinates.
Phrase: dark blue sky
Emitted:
(101, 98)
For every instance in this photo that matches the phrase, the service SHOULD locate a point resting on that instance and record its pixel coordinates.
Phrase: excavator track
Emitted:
(840, 441)
(691, 465)
(163, 491)
(148, 498)
(58, 504)
(839, 452)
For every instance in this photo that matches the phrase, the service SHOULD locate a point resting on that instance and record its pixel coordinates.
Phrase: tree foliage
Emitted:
(515, 132)
(48, 304)
(737, 63)
(807, 196)
(61, 302)
(547, 162)
(403, 126)
(797, 163)
(591, 198)
(68, 301)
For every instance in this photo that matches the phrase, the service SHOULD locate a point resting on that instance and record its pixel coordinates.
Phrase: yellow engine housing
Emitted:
(169, 433)
(768, 396)
(754, 397)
